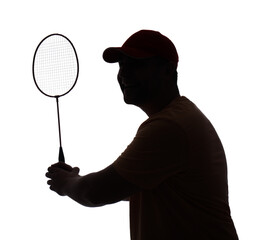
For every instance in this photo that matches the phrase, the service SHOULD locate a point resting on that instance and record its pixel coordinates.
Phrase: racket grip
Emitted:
(61, 157)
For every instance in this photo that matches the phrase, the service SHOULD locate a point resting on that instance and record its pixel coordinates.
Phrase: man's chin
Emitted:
(130, 101)
(133, 101)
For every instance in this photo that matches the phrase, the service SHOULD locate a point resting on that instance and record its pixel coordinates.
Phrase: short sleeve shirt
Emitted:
(178, 162)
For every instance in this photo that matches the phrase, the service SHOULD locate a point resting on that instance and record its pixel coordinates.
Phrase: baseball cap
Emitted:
(143, 44)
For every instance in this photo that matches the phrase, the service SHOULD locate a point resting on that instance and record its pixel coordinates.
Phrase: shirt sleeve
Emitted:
(155, 154)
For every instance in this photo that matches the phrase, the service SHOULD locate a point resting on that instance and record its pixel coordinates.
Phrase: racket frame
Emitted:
(33, 65)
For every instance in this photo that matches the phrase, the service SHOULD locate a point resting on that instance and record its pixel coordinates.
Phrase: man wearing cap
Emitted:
(174, 172)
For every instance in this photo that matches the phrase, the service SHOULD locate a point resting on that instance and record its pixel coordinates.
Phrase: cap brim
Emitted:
(114, 54)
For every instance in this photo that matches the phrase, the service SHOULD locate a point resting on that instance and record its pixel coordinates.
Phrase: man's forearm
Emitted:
(81, 190)
(100, 188)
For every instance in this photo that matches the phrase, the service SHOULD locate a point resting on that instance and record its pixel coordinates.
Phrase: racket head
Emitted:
(55, 65)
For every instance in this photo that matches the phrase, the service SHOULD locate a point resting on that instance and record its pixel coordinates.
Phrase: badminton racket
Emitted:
(55, 71)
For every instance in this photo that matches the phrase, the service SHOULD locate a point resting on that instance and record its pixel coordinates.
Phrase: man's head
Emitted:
(148, 62)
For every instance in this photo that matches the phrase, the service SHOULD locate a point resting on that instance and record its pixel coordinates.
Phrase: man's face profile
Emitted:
(139, 79)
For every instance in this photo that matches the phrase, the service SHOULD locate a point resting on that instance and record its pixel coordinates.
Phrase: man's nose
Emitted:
(124, 70)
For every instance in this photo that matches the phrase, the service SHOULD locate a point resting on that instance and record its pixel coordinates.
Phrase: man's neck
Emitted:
(157, 104)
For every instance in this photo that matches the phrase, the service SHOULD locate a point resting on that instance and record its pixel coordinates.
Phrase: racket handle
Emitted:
(61, 155)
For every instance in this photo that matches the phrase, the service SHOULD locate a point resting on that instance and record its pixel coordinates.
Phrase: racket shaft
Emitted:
(58, 118)
(61, 157)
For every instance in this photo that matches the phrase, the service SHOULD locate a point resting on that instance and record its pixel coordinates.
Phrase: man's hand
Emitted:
(62, 177)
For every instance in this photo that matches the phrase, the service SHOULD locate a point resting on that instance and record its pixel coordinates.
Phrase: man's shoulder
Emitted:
(181, 112)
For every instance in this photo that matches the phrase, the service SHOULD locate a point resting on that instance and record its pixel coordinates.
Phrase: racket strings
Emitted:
(55, 66)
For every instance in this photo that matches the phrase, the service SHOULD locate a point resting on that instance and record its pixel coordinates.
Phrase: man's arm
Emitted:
(92, 190)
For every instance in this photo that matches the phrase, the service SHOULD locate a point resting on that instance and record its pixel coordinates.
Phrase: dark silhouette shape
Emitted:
(174, 172)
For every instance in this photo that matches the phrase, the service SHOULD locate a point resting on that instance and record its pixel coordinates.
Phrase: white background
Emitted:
(229, 58)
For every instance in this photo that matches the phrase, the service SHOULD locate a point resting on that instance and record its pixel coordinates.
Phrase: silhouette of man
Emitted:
(174, 172)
